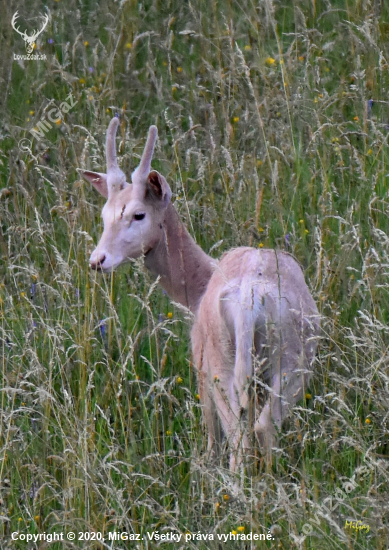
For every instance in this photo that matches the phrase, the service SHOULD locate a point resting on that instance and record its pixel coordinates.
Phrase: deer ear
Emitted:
(98, 180)
(157, 187)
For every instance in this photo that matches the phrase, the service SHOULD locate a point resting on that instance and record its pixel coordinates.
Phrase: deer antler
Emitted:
(139, 175)
(110, 147)
(116, 179)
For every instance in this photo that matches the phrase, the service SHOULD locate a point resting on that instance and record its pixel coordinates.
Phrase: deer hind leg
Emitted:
(220, 405)
(231, 421)
(238, 311)
(269, 418)
(288, 380)
(215, 393)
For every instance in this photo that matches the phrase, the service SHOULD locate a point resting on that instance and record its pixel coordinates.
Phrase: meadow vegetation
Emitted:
(273, 123)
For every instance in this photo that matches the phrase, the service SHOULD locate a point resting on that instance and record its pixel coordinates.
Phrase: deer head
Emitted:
(29, 40)
(134, 212)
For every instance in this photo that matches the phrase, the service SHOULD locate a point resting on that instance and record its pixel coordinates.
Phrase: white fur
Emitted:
(256, 324)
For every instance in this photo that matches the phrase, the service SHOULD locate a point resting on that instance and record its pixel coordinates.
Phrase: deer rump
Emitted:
(257, 314)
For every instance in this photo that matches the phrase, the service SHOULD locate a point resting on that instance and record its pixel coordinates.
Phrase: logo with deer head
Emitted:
(29, 39)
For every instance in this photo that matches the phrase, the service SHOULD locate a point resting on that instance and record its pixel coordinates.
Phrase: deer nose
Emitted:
(96, 264)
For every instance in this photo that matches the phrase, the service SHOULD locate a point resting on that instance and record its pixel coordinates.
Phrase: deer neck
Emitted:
(184, 268)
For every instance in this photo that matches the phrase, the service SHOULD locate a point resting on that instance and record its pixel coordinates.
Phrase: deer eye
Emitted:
(139, 216)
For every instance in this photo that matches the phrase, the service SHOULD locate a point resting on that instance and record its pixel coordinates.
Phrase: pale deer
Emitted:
(254, 317)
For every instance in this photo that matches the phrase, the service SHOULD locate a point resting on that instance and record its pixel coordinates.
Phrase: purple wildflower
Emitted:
(102, 328)
(369, 106)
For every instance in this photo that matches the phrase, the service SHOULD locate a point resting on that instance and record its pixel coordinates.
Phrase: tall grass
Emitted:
(268, 137)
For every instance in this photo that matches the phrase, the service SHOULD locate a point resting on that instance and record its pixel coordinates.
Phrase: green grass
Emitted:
(100, 425)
